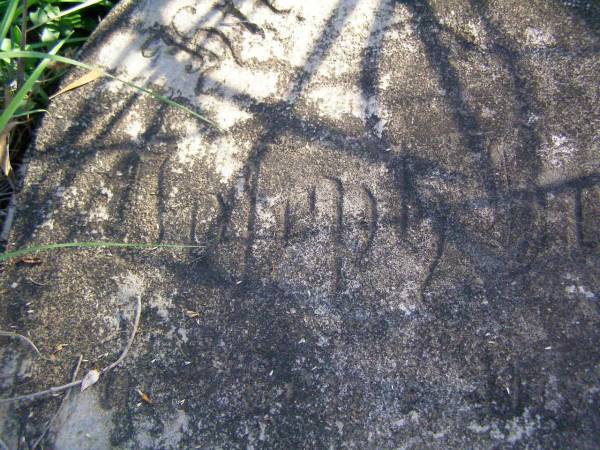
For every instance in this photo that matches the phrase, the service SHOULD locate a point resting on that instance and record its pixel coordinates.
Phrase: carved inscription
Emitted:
(589, 220)
(350, 226)
(206, 37)
(332, 237)
(572, 210)
(331, 232)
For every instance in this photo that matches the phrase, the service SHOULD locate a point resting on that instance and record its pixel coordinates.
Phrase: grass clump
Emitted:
(53, 27)
(38, 40)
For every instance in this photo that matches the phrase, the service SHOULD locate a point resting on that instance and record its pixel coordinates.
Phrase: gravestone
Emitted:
(395, 227)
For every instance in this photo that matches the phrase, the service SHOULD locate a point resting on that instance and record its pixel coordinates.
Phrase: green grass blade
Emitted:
(163, 99)
(8, 18)
(73, 62)
(48, 44)
(14, 104)
(92, 244)
(27, 113)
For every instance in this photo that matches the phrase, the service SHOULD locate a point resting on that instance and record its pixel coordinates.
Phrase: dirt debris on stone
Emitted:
(398, 229)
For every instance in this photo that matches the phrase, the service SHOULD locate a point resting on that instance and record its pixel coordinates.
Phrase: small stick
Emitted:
(56, 389)
(136, 323)
(64, 399)
(20, 336)
(37, 283)
(51, 391)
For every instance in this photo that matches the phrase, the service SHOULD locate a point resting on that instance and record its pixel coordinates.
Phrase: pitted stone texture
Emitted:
(397, 230)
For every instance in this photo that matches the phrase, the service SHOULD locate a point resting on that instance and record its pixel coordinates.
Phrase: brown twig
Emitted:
(57, 389)
(63, 401)
(23, 338)
(37, 283)
(136, 323)
(52, 391)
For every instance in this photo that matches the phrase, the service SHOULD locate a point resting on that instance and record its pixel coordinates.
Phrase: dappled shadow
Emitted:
(474, 272)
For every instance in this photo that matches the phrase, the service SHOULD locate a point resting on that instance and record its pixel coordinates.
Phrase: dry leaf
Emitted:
(85, 79)
(144, 397)
(192, 314)
(59, 347)
(31, 260)
(5, 166)
(4, 156)
(90, 379)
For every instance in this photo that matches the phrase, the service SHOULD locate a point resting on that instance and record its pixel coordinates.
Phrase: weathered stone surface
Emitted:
(399, 229)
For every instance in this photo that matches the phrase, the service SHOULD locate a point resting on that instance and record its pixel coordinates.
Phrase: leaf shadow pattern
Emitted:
(250, 333)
